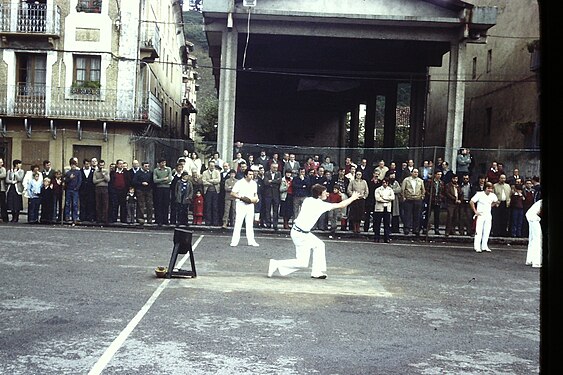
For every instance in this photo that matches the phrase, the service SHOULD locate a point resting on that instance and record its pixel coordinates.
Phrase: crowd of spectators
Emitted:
(398, 194)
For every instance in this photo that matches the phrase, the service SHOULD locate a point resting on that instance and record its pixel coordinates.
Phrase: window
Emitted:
(86, 75)
(89, 6)
(31, 74)
(489, 60)
(474, 69)
(488, 120)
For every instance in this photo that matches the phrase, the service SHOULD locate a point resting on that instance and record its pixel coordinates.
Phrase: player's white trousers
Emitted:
(304, 243)
(482, 232)
(534, 254)
(244, 212)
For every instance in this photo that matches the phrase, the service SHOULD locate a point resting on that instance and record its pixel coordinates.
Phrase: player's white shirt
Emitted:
(533, 213)
(245, 188)
(311, 210)
(484, 202)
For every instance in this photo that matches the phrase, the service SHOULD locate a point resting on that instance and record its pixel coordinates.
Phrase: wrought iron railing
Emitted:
(68, 102)
(30, 18)
(150, 37)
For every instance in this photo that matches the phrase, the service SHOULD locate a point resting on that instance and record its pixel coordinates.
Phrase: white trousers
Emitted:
(244, 212)
(534, 254)
(482, 232)
(304, 243)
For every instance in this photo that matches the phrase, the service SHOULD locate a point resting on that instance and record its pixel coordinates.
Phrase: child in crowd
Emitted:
(184, 195)
(131, 201)
(58, 188)
(34, 193)
(46, 201)
(334, 216)
(198, 208)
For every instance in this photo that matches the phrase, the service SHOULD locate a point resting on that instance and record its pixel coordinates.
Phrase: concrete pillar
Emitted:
(354, 126)
(456, 97)
(416, 119)
(390, 117)
(369, 125)
(227, 94)
(339, 158)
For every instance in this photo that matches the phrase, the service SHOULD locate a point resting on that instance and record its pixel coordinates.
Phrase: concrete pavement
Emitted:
(79, 300)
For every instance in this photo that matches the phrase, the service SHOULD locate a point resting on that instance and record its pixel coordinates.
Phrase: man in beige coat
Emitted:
(413, 194)
(501, 213)
(211, 179)
(229, 210)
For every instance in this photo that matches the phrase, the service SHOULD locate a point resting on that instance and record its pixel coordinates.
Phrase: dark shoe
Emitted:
(387, 241)
(322, 277)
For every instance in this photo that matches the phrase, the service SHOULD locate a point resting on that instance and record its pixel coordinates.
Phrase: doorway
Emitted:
(86, 152)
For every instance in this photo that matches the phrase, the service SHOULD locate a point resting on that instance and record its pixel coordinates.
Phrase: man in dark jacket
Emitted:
(143, 184)
(87, 193)
(118, 186)
(301, 190)
(73, 180)
(271, 195)
(434, 191)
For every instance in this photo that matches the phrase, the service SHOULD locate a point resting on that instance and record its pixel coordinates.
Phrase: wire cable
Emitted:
(247, 39)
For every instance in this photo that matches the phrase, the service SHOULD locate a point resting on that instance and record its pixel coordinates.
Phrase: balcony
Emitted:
(24, 100)
(150, 42)
(20, 19)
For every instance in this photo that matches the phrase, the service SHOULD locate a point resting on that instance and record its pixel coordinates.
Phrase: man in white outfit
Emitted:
(534, 255)
(481, 204)
(305, 241)
(245, 191)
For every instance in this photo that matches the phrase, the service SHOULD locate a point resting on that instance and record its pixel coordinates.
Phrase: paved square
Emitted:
(86, 300)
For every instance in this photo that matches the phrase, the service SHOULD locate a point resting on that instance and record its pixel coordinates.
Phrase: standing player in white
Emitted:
(481, 204)
(534, 254)
(305, 241)
(245, 191)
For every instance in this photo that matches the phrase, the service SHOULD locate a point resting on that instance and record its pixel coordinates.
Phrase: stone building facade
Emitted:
(84, 77)
(502, 92)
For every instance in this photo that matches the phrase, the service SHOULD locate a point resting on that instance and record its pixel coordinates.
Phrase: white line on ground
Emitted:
(101, 364)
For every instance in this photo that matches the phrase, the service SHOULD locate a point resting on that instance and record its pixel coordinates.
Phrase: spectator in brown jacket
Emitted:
(453, 198)
(434, 196)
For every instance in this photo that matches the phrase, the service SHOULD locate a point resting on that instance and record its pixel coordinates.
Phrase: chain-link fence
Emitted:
(528, 161)
(64, 143)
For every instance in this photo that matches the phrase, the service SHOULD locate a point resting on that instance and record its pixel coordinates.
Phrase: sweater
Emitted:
(162, 177)
(101, 178)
